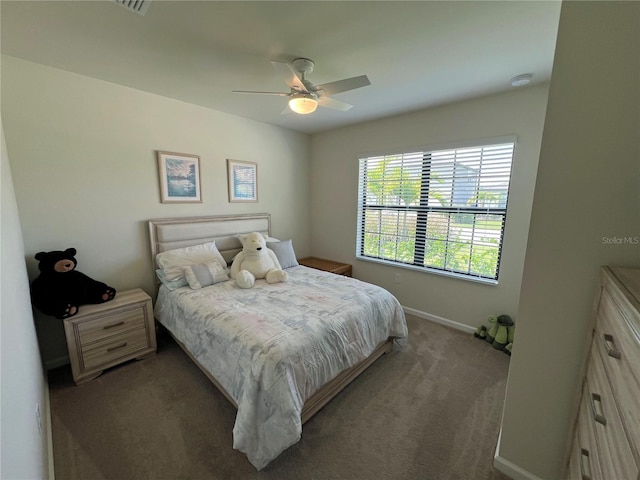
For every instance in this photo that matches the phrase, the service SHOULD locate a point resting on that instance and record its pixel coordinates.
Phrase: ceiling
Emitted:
(417, 54)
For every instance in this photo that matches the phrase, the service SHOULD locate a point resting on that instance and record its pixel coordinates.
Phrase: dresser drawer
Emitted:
(619, 350)
(610, 396)
(102, 354)
(585, 463)
(109, 325)
(614, 451)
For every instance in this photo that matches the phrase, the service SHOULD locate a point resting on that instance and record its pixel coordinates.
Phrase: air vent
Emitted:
(138, 6)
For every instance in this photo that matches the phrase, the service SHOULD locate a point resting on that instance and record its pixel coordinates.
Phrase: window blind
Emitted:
(440, 209)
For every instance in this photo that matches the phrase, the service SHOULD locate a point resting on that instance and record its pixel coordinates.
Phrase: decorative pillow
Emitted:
(171, 285)
(204, 274)
(284, 251)
(172, 261)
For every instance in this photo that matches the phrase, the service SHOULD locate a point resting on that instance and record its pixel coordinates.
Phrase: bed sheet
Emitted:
(272, 346)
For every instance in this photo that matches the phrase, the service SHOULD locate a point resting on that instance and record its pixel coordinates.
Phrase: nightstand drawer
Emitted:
(100, 328)
(113, 348)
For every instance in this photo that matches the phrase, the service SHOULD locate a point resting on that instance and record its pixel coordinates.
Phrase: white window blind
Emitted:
(440, 209)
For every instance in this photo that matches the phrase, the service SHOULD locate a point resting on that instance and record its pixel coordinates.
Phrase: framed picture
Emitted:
(243, 181)
(179, 177)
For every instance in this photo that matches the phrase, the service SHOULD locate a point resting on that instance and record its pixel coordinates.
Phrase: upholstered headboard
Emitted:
(169, 233)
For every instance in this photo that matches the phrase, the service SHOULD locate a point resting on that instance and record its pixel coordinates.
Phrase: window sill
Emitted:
(458, 276)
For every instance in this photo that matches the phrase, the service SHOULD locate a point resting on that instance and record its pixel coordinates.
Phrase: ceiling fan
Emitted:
(304, 96)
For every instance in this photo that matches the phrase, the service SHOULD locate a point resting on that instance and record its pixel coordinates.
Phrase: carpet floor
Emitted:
(429, 410)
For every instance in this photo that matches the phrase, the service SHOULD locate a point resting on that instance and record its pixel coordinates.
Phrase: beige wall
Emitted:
(85, 171)
(334, 174)
(24, 450)
(82, 155)
(588, 188)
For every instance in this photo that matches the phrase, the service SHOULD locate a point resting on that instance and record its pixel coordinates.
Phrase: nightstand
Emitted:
(326, 265)
(107, 334)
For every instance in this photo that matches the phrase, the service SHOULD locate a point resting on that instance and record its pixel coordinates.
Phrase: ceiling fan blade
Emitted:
(334, 104)
(262, 93)
(339, 86)
(289, 75)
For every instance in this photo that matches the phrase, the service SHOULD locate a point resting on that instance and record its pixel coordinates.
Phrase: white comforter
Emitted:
(271, 347)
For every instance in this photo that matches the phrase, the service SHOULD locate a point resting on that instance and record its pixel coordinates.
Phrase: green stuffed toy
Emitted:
(483, 331)
(504, 332)
(499, 334)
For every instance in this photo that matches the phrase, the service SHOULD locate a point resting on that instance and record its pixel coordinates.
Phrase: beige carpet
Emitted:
(429, 410)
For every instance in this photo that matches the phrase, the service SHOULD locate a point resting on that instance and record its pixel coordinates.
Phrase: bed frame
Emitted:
(169, 233)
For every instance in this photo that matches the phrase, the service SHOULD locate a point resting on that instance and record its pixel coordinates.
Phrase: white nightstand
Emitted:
(107, 334)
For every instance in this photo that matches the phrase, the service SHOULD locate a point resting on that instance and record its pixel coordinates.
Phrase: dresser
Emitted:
(606, 440)
(107, 334)
(326, 265)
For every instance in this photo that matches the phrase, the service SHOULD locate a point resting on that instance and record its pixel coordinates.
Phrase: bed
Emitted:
(278, 352)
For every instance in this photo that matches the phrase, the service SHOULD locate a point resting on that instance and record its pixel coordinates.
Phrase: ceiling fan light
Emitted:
(303, 104)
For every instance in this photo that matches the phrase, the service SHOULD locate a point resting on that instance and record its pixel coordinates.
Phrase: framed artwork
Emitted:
(243, 181)
(179, 177)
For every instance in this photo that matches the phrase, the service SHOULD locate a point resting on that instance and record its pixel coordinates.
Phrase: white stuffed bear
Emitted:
(256, 261)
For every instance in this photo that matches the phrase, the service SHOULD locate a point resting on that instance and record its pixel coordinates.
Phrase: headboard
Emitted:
(169, 233)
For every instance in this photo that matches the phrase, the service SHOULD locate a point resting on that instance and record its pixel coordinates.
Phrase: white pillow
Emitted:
(171, 285)
(284, 252)
(204, 274)
(172, 261)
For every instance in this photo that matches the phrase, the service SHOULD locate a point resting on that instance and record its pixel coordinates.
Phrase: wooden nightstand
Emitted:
(101, 336)
(326, 265)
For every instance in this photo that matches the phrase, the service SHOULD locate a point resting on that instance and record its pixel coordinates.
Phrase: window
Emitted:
(440, 210)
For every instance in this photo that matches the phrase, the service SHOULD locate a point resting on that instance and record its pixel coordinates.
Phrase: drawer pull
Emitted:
(111, 349)
(585, 466)
(107, 327)
(610, 346)
(596, 406)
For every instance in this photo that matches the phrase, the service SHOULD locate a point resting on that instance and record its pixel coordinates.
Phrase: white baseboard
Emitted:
(49, 432)
(511, 470)
(440, 320)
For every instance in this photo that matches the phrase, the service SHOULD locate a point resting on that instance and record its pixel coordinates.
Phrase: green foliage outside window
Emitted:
(413, 214)
(455, 254)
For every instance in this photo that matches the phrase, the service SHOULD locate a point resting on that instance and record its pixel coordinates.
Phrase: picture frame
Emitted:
(243, 181)
(179, 175)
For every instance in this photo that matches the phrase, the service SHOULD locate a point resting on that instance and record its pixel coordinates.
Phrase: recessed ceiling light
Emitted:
(521, 80)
